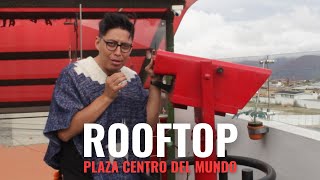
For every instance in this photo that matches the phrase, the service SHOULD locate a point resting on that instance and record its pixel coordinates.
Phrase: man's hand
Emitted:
(150, 72)
(153, 104)
(114, 84)
(93, 111)
(149, 68)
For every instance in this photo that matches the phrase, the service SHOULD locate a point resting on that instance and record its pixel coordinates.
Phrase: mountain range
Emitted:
(305, 67)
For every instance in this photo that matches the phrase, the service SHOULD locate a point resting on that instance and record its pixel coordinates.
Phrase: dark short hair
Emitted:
(115, 20)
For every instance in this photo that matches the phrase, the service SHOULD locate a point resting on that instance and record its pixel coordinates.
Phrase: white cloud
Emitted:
(209, 34)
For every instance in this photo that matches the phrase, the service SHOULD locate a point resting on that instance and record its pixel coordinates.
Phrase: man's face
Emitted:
(114, 50)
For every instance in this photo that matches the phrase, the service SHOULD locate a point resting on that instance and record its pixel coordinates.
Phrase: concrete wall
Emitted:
(309, 103)
(306, 96)
(17, 129)
(294, 157)
(300, 120)
(314, 104)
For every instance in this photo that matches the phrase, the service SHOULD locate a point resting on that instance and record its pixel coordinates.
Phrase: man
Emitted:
(99, 90)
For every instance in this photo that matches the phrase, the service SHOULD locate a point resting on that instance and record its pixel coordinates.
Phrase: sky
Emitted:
(240, 28)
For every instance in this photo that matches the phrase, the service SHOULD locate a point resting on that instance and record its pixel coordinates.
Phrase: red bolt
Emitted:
(207, 76)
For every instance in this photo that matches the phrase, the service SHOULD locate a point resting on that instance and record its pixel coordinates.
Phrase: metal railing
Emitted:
(247, 173)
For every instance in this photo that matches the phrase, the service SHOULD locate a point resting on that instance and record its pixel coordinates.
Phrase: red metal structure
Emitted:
(211, 86)
(39, 38)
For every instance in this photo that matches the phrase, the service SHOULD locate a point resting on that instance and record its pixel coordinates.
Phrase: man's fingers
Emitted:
(115, 76)
(120, 80)
(151, 63)
(120, 86)
(149, 67)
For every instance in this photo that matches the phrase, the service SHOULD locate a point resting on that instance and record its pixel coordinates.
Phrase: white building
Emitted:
(294, 98)
(293, 95)
(312, 87)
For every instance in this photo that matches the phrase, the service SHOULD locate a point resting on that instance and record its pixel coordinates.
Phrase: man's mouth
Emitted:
(116, 62)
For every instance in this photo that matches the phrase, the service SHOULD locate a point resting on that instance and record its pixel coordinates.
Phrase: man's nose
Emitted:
(117, 51)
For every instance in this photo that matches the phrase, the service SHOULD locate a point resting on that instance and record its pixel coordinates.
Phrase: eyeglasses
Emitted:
(113, 45)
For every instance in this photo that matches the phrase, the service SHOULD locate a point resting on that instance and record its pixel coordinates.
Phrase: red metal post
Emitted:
(205, 114)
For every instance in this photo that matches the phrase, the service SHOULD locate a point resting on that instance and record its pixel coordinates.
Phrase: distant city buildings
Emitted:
(301, 93)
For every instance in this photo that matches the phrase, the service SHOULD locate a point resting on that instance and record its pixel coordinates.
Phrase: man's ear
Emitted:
(97, 42)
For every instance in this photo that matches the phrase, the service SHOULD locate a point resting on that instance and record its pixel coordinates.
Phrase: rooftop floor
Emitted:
(22, 147)
(24, 162)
